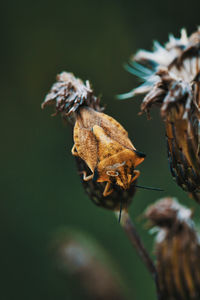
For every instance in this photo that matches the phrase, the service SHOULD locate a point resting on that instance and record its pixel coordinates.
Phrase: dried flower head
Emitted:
(177, 250)
(69, 93)
(172, 82)
(79, 256)
(170, 74)
(105, 156)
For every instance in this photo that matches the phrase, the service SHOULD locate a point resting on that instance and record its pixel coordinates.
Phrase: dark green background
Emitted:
(41, 191)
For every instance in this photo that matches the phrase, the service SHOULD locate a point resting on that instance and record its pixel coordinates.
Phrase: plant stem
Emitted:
(135, 240)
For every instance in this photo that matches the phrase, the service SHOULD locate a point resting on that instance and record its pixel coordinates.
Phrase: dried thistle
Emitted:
(105, 156)
(79, 256)
(177, 250)
(69, 93)
(172, 82)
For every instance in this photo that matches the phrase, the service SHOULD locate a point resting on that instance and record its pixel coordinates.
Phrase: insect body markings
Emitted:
(106, 149)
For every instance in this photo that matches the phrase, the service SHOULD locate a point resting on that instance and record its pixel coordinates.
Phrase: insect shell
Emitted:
(104, 146)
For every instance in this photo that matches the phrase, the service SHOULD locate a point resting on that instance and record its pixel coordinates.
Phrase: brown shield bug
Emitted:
(106, 149)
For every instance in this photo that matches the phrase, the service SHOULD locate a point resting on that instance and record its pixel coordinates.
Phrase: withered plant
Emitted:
(106, 161)
(171, 76)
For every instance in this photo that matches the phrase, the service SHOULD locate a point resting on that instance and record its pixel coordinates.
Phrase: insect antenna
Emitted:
(120, 211)
(149, 188)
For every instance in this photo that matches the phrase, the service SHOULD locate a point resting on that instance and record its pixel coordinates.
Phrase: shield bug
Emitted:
(106, 149)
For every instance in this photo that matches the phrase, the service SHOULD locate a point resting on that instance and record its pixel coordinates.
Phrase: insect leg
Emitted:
(136, 175)
(120, 212)
(85, 177)
(106, 190)
(74, 151)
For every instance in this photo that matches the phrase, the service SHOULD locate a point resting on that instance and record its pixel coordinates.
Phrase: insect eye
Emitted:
(112, 173)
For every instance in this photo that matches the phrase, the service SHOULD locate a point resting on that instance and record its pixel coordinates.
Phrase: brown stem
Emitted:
(135, 240)
(195, 196)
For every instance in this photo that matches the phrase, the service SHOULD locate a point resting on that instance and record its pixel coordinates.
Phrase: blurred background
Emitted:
(41, 191)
